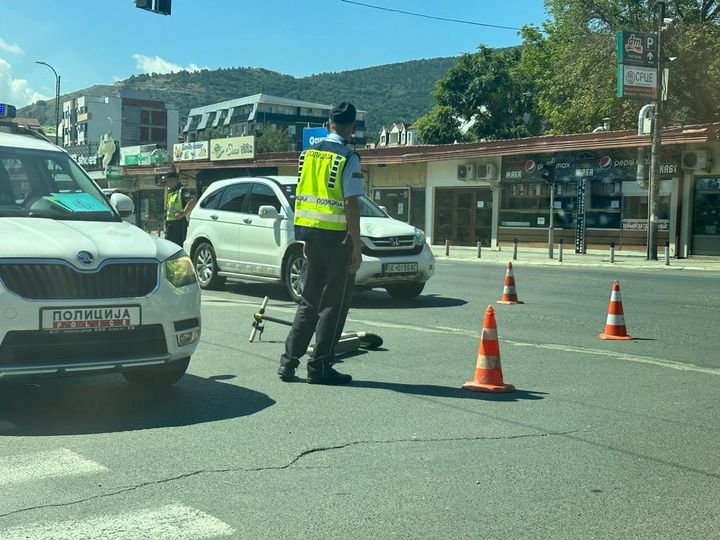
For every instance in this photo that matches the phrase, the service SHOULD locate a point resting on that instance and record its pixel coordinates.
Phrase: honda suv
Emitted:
(243, 229)
(82, 291)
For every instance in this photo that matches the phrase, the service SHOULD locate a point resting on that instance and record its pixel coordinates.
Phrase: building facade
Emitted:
(252, 115)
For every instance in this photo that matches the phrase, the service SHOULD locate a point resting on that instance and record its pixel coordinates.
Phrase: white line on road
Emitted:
(661, 362)
(59, 463)
(170, 522)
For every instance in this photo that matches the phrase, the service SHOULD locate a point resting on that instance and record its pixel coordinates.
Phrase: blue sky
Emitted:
(101, 41)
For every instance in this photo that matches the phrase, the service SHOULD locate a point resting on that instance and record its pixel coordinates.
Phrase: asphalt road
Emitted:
(601, 439)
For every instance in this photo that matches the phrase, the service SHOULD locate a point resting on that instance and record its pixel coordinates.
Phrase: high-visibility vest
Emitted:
(173, 204)
(319, 199)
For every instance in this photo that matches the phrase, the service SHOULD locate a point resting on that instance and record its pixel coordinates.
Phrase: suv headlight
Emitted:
(179, 270)
(419, 237)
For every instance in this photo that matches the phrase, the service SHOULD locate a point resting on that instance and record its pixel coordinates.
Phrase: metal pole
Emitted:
(447, 247)
(667, 253)
(551, 239)
(612, 252)
(57, 99)
(479, 247)
(515, 249)
(560, 250)
(654, 187)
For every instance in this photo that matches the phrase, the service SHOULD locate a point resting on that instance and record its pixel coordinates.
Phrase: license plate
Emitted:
(86, 319)
(399, 268)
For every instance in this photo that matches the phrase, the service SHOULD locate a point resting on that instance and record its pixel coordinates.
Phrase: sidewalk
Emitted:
(593, 258)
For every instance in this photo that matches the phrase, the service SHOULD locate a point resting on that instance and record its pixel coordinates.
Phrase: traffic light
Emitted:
(157, 6)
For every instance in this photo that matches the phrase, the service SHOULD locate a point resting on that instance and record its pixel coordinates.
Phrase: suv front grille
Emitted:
(47, 281)
(30, 347)
(391, 246)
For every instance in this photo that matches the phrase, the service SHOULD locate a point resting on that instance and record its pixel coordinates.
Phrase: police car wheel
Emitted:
(405, 291)
(294, 275)
(158, 376)
(206, 267)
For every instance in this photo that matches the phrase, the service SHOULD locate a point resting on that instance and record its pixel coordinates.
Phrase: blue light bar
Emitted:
(7, 111)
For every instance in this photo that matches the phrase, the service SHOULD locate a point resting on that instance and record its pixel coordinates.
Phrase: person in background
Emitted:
(327, 220)
(179, 202)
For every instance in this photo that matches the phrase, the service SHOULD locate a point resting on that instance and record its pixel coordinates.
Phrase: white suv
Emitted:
(242, 228)
(82, 291)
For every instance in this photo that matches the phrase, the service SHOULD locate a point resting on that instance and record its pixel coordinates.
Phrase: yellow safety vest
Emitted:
(319, 199)
(173, 204)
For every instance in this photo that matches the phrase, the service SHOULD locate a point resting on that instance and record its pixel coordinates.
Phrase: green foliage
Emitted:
(439, 126)
(274, 140)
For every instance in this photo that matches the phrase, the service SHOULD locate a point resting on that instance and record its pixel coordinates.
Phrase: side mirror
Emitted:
(269, 212)
(384, 209)
(123, 204)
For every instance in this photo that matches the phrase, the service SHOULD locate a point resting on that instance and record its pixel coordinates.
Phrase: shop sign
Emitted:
(232, 148)
(609, 164)
(641, 224)
(86, 156)
(148, 154)
(190, 151)
(637, 48)
(113, 172)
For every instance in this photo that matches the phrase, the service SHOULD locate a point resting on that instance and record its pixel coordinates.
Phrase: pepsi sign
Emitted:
(312, 136)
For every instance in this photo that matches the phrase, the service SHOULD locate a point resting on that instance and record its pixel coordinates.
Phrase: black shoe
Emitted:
(287, 374)
(328, 376)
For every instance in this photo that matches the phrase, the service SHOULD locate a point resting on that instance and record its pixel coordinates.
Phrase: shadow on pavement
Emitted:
(433, 390)
(109, 404)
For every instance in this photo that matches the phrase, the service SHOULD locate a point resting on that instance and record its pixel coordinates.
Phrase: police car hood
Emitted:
(39, 238)
(383, 227)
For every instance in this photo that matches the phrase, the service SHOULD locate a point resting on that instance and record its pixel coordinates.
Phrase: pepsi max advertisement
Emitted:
(599, 165)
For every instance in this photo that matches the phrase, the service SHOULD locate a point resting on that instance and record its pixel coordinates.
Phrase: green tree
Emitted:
(274, 140)
(484, 90)
(573, 66)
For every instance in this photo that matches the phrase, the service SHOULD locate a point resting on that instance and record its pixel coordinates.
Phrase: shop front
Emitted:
(595, 198)
(706, 216)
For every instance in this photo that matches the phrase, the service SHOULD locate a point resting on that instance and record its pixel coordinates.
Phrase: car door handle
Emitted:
(213, 216)
(247, 221)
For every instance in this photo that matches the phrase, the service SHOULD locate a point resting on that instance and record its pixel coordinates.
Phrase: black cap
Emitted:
(344, 113)
(170, 175)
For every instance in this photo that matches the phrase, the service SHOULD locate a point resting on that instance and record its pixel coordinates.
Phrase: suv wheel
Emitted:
(206, 267)
(158, 376)
(405, 291)
(294, 275)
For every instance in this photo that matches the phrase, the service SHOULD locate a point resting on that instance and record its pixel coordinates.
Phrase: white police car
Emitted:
(242, 228)
(82, 291)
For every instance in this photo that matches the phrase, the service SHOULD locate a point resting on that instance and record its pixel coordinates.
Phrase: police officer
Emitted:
(327, 220)
(178, 204)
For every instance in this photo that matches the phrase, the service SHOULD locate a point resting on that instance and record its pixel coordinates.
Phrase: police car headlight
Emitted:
(419, 237)
(179, 270)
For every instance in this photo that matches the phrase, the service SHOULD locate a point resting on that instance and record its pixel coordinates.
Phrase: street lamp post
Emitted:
(57, 99)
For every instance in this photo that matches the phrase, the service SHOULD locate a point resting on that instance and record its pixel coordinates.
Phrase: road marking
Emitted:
(170, 522)
(661, 362)
(22, 468)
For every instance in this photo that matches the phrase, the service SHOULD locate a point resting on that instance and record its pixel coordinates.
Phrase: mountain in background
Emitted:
(389, 93)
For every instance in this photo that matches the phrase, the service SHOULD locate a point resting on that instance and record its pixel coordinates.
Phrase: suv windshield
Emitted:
(46, 184)
(367, 207)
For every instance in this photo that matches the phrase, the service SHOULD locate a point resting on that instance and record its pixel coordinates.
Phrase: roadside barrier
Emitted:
(488, 372)
(509, 294)
(615, 325)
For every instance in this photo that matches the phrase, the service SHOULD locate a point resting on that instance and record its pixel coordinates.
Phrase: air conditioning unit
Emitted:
(695, 160)
(466, 172)
(484, 171)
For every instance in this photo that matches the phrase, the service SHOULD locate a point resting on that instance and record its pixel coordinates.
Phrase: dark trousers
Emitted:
(324, 306)
(176, 230)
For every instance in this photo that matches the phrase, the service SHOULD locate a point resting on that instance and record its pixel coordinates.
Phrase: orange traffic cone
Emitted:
(615, 325)
(488, 373)
(509, 295)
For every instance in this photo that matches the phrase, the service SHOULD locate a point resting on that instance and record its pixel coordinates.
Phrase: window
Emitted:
(211, 201)
(263, 195)
(234, 197)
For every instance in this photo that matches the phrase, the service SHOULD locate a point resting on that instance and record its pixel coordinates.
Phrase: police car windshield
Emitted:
(46, 184)
(367, 207)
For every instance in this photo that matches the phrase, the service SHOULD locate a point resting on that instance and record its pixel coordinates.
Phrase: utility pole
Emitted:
(654, 184)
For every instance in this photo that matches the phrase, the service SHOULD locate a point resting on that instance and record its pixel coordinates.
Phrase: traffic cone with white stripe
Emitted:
(615, 325)
(509, 294)
(488, 373)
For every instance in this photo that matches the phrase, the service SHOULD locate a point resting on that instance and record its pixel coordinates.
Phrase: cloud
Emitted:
(155, 64)
(13, 48)
(16, 91)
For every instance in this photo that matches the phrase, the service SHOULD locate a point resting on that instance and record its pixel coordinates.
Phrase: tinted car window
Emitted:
(263, 195)
(212, 200)
(234, 197)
